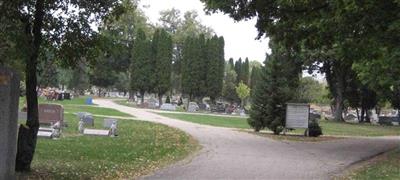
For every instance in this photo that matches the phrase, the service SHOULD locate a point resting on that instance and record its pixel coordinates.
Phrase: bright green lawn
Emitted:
(386, 168)
(328, 127)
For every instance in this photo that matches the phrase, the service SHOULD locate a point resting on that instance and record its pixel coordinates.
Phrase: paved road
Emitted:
(229, 154)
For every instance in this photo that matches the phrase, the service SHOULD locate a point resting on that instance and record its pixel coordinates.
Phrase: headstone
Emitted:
(9, 94)
(193, 107)
(152, 103)
(89, 101)
(81, 126)
(67, 96)
(88, 119)
(168, 107)
(108, 122)
(202, 106)
(56, 133)
(113, 129)
(374, 117)
(45, 134)
(96, 132)
(51, 113)
(297, 115)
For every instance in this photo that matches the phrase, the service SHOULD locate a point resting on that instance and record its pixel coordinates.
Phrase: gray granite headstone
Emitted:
(9, 94)
(88, 120)
(108, 122)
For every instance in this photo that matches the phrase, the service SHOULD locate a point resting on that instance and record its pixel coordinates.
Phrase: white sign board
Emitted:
(297, 115)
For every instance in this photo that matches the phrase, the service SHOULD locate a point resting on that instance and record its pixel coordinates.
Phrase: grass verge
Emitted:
(383, 167)
(328, 127)
(230, 122)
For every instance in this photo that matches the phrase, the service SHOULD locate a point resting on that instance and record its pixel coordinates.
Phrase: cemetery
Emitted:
(199, 89)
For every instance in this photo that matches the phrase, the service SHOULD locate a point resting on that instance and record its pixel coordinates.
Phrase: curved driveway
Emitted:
(229, 154)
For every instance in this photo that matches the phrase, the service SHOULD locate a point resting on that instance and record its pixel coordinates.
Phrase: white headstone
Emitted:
(108, 122)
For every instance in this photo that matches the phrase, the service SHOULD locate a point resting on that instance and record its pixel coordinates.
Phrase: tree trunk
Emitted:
(160, 99)
(187, 106)
(362, 114)
(99, 94)
(27, 135)
(142, 96)
(358, 114)
(338, 114)
(367, 117)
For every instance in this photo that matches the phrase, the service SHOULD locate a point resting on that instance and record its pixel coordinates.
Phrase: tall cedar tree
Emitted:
(245, 74)
(276, 88)
(142, 71)
(254, 78)
(215, 67)
(231, 63)
(162, 54)
(238, 70)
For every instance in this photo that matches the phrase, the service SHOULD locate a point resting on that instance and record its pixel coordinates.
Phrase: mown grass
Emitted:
(140, 148)
(328, 127)
(386, 167)
(230, 122)
(79, 105)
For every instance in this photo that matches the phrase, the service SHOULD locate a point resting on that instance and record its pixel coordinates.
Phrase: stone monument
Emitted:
(9, 94)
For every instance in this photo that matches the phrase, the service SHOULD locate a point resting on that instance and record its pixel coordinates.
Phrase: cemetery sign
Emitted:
(297, 115)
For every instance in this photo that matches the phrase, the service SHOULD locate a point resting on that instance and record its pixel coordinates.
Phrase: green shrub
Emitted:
(314, 130)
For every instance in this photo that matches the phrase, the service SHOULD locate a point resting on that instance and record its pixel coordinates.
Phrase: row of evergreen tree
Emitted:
(202, 66)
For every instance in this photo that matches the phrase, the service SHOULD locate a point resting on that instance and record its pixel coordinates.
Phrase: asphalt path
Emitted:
(231, 154)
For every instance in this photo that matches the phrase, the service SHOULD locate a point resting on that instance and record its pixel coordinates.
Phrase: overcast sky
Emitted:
(239, 36)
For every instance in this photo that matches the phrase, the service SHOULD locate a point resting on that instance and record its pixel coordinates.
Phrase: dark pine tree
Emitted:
(277, 86)
(162, 54)
(142, 71)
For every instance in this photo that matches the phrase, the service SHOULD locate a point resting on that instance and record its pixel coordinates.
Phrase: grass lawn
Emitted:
(384, 167)
(140, 148)
(230, 122)
(328, 127)
(78, 105)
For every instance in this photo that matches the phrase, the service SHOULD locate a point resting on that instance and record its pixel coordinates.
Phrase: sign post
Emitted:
(297, 115)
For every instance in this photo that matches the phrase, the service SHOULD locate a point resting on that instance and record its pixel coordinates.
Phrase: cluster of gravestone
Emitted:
(86, 120)
(219, 107)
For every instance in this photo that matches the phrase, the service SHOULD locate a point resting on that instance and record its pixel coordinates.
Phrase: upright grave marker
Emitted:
(9, 94)
(297, 115)
(51, 114)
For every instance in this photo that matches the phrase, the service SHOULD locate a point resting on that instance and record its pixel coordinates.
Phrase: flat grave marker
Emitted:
(96, 132)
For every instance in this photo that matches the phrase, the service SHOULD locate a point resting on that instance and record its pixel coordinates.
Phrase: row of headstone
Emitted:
(86, 119)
